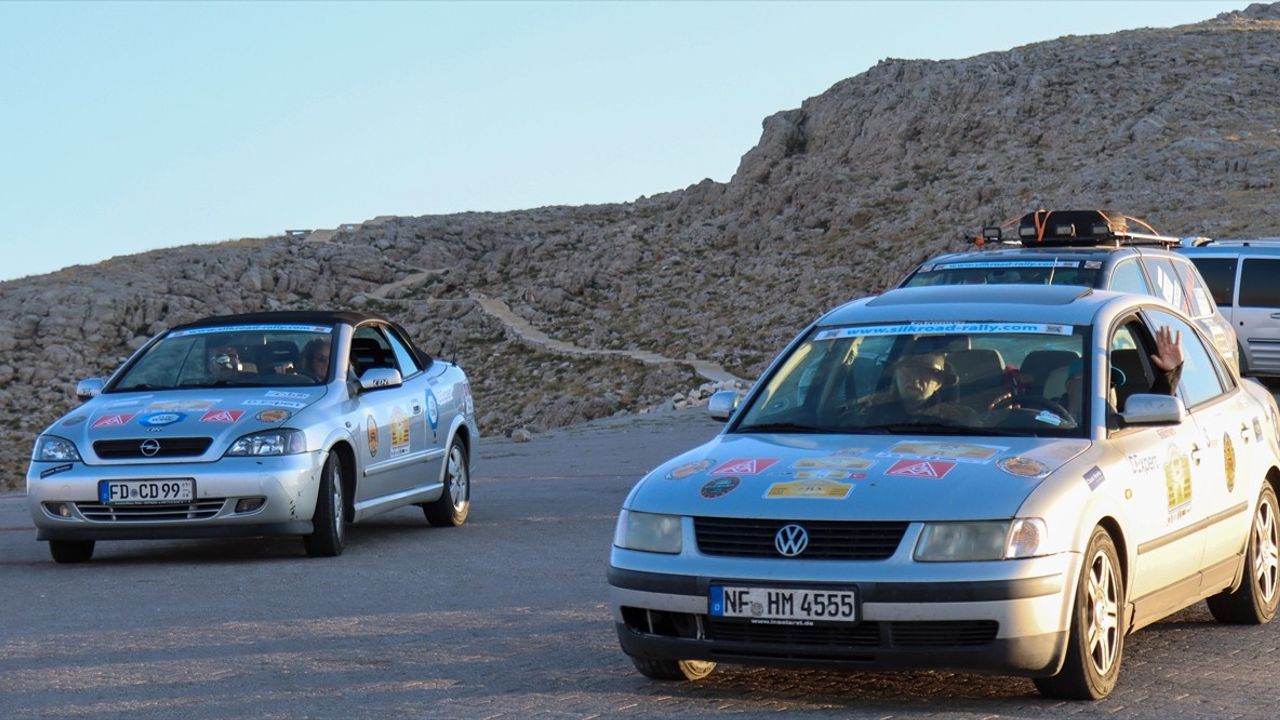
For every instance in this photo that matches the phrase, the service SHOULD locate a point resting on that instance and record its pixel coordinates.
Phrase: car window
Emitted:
(1200, 379)
(1260, 283)
(1167, 285)
(1126, 276)
(227, 356)
(1219, 274)
(370, 349)
(404, 359)
(1200, 299)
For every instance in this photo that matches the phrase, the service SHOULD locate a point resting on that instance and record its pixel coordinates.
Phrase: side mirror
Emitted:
(380, 379)
(89, 388)
(722, 404)
(1146, 409)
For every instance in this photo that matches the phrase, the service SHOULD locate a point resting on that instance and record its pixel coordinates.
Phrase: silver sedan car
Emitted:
(895, 493)
(282, 423)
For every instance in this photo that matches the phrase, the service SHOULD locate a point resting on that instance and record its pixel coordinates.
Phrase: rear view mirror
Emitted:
(380, 379)
(1146, 409)
(89, 388)
(722, 404)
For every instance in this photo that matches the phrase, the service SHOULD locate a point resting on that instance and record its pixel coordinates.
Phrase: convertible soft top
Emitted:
(311, 317)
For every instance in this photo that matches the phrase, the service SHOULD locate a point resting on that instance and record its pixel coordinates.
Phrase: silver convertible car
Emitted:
(280, 423)
(895, 493)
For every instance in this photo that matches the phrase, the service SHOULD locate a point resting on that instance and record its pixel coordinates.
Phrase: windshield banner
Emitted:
(944, 328)
(253, 328)
(1007, 264)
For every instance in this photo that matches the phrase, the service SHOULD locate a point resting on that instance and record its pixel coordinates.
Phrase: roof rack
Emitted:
(1234, 242)
(1077, 228)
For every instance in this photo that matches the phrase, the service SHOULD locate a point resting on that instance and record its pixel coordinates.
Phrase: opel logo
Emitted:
(150, 447)
(791, 540)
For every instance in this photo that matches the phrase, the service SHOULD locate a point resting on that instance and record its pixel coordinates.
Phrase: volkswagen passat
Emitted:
(895, 493)
(287, 423)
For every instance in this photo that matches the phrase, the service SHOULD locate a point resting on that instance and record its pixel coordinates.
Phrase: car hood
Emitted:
(222, 414)
(854, 477)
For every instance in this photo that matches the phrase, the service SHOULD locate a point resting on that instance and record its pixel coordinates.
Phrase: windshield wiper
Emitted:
(780, 427)
(131, 388)
(922, 428)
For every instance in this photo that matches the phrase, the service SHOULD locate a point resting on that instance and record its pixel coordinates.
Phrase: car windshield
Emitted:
(1006, 272)
(962, 378)
(232, 356)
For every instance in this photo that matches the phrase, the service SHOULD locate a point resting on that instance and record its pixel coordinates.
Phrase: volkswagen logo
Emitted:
(791, 540)
(150, 447)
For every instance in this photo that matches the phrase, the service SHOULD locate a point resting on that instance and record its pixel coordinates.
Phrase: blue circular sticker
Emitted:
(433, 410)
(718, 487)
(161, 419)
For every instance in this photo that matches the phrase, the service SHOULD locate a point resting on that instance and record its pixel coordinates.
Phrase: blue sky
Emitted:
(133, 126)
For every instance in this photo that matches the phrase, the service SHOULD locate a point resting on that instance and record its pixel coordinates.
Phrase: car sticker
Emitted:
(1094, 477)
(1166, 432)
(851, 451)
(749, 466)
(1229, 461)
(73, 421)
(111, 421)
(1142, 464)
(834, 462)
(1177, 478)
(433, 410)
(960, 452)
(275, 403)
(372, 432)
(1009, 264)
(1092, 264)
(286, 394)
(1257, 429)
(943, 328)
(1049, 417)
(1023, 466)
(252, 328)
(823, 489)
(272, 416)
(825, 474)
(444, 393)
(399, 432)
(169, 406)
(688, 469)
(54, 470)
(719, 487)
(161, 419)
(128, 403)
(221, 416)
(932, 469)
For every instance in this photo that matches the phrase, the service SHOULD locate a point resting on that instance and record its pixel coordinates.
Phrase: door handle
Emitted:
(1275, 316)
(1195, 453)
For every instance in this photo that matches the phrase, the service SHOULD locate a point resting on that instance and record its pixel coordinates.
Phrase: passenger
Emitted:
(916, 393)
(1166, 361)
(315, 359)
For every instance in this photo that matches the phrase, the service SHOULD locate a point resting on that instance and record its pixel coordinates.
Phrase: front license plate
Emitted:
(795, 604)
(146, 492)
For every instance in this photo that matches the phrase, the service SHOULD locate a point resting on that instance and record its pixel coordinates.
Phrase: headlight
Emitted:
(271, 442)
(50, 448)
(967, 541)
(648, 532)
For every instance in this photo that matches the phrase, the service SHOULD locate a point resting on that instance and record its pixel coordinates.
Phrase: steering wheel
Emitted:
(1031, 402)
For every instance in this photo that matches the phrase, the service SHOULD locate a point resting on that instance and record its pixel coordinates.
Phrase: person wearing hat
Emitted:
(917, 392)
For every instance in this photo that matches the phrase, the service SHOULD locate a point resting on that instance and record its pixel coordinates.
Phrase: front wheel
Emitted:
(454, 504)
(1096, 640)
(1254, 602)
(327, 537)
(673, 669)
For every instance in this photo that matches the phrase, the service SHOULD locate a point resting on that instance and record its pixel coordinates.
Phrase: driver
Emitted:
(224, 363)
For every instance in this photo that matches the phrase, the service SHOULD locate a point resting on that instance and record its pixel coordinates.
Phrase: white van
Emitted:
(1244, 278)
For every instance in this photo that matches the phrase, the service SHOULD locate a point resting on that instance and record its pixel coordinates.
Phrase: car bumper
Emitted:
(1008, 617)
(65, 506)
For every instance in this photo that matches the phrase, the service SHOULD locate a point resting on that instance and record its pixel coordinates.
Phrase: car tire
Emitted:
(328, 537)
(1254, 602)
(71, 551)
(454, 504)
(673, 669)
(1095, 641)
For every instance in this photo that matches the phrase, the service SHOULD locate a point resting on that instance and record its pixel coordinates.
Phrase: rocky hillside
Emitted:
(840, 197)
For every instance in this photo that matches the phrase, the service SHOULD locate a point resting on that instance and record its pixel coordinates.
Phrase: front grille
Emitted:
(197, 510)
(828, 540)
(169, 448)
(861, 635)
(951, 633)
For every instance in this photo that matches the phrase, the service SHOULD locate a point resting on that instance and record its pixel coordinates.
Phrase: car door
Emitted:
(1163, 485)
(426, 432)
(1224, 434)
(1257, 313)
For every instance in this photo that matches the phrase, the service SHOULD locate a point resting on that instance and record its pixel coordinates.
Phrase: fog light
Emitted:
(249, 504)
(60, 509)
